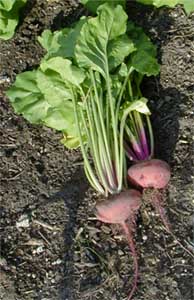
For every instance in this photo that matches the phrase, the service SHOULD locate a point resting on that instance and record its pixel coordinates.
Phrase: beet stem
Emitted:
(131, 244)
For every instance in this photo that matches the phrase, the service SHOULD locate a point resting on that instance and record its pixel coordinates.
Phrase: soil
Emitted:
(52, 248)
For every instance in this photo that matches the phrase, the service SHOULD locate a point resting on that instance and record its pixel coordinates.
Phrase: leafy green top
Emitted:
(101, 43)
(82, 84)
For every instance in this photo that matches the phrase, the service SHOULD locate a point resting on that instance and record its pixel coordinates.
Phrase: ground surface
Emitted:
(51, 247)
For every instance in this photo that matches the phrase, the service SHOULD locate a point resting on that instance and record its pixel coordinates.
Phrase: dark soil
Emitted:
(52, 248)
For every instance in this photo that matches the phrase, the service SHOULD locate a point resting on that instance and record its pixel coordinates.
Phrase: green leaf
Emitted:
(7, 25)
(69, 43)
(70, 142)
(146, 2)
(123, 70)
(116, 85)
(139, 105)
(188, 5)
(96, 34)
(9, 15)
(118, 49)
(160, 3)
(143, 59)
(53, 87)
(27, 99)
(170, 3)
(62, 118)
(64, 67)
(145, 63)
(93, 5)
(61, 43)
(6, 4)
(50, 41)
(42, 98)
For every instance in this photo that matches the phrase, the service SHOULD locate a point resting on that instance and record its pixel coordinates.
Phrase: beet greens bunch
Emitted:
(88, 88)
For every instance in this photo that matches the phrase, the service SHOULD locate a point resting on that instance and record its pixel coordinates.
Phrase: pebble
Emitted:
(120, 252)
(4, 79)
(106, 229)
(23, 222)
(57, 262)
(144, 237)
(3, 262)
(39, 250)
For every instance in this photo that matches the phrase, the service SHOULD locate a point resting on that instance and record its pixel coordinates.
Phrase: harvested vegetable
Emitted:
(122, 209)
(79, 90)
(153, 173)
(88, 88)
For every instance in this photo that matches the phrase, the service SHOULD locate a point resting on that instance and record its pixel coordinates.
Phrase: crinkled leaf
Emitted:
(92, 46)
(50, 41)
(145, 63)
(143, 59)
(27, 99)
(9, 15)
(188, 5)
(25, 87)
(6, 4)
(123, 70)
(118, 49)
(62, 118)
(159, 3)
(139, 105)
(7, 25)
(70, 142)
(69, 43)
(53, 87)
(61, 43)
(64, 67)
(116, 85)
(93, 5)
(42, 99)
(170, 3)
(140, 39)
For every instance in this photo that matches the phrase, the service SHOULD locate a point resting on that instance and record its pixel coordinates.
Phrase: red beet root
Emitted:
(119, 209)
(153, 173)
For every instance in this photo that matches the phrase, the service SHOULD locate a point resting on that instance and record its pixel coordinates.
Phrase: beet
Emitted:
(154, 173)
(119, 207)
(122, 209)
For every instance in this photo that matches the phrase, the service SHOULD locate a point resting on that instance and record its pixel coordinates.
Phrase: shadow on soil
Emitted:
(61, 21)
(73, 193)
(165, 106)
(156, 23)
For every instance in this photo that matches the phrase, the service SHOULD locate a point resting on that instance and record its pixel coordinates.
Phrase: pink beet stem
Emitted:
(129, 237)
(156, 202)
